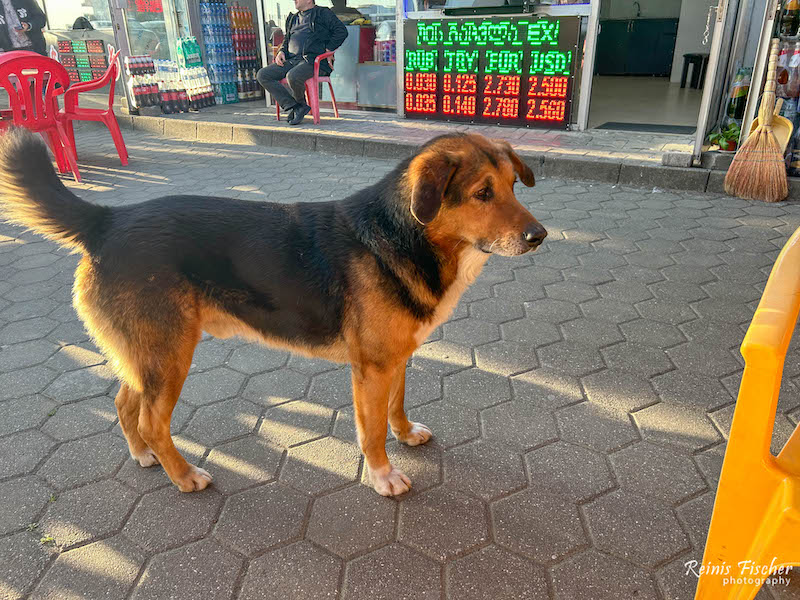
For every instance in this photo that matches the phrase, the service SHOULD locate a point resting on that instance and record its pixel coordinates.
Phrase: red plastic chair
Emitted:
(312, 91)
(72, 112)
(32, 83)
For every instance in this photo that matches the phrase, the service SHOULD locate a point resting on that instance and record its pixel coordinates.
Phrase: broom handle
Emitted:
(768, 100)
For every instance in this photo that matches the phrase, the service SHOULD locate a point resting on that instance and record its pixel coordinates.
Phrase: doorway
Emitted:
(643, 79)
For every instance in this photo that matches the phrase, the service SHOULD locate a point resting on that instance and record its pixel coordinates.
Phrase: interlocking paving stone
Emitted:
(385, 575)
(22, 499)
(442, 523)
(321, 465)
(256, 519)
(547, 388)
(570, 358)
(222, 421)
(591, 332)
(254, 358)
(606, 309)
(694, 515)
(618, 390)
(690, 388)
(495, 310)
(551, 310)
(520, 424)
(81, 419)
(635, 528)
(484, 469)
(84, 460)
(29, 329)
(22, 560)
(211, 386)
(74, 356)
(25, 354)
(333, 389)
(495, 573)
(637, 358)
(539, 525)
(442, 357)
(82, 383)
(276, 387)
(87, 513)
(104, 569)
(551, 469)
(598, 426)
(296, 571)
(661, 473)
(25, 382)
(652, 333)
(471, 331)
(679, 426)
(530, 331)
(451, 423)
(352, 521)
(476, 388)
(295, 422)
(506, 358)
(243, 463)
(703, 359)
(21, 452)
(200, 570)
(210, 353)
(23, 413)
(598, 576)
(168, 518)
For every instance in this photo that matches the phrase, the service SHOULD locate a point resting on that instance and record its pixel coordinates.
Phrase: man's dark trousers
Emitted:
(296, 71)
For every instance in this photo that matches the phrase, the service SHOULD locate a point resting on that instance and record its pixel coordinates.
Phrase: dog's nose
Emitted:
(534, 234)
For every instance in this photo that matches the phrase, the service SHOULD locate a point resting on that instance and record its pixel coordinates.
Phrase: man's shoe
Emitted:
(299, 112)
(290, 115)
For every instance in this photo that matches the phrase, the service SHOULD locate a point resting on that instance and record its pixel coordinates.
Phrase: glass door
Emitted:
(150, 26)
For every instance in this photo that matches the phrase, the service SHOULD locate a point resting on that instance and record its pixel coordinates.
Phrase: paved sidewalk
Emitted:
(580, 398)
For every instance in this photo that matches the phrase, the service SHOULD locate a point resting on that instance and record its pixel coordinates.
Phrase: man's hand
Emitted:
(280, 59)
(330, 59)
(25, 26)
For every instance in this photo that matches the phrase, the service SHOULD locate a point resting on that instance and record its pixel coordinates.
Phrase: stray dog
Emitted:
(363, 280)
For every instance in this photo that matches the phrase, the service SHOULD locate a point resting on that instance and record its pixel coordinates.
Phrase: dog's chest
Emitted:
(470, 263)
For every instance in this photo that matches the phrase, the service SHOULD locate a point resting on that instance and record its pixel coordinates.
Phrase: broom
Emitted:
(758, 171)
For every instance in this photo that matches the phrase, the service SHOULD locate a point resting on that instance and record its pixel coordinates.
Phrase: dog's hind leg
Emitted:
(127, 403)
(155, 413)
(404, 430)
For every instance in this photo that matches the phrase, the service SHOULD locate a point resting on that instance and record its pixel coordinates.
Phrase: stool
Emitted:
(699, 62)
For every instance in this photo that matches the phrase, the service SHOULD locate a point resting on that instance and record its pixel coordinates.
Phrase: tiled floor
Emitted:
(580, 399)
(643, 100)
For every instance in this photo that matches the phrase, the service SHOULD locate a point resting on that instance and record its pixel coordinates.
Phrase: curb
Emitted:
(708, 178)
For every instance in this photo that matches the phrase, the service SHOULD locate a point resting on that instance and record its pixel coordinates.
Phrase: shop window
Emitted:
(77, 14)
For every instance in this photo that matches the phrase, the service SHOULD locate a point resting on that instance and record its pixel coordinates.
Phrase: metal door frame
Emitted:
(712, 75)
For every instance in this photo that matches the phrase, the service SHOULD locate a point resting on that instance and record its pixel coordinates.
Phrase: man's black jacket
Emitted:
(28, 12)
(327, 33)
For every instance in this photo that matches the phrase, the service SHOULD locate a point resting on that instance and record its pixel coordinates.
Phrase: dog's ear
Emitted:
(429, 175)
(522, 170)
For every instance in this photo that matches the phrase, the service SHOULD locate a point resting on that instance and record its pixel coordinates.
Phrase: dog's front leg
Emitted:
(371, 386)
(404, 430)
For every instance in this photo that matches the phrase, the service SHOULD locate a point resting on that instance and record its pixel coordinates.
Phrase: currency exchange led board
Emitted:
(500, 70)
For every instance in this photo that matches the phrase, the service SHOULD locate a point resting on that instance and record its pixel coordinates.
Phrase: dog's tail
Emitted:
(32, 195)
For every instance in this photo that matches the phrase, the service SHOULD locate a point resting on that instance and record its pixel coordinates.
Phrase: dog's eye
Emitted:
(485, 194)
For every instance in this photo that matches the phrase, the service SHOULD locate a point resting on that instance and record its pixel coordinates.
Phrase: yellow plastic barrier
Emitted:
(755, 528)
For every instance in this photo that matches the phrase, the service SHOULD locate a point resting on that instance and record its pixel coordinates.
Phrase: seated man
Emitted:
(309, 33)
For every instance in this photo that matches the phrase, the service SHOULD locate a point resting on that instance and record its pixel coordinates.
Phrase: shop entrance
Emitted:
(650, 64)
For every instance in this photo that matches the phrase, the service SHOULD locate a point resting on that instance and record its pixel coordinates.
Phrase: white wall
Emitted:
(650, 9)
(690, 33)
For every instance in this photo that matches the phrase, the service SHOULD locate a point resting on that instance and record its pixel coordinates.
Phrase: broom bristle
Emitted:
(758, 171)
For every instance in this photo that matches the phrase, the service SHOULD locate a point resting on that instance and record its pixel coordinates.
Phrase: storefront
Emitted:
(557, 64)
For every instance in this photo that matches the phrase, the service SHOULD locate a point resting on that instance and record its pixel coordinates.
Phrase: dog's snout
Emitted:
(534, 234)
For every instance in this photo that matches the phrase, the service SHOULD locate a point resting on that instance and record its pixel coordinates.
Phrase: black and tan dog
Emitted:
(362, 280)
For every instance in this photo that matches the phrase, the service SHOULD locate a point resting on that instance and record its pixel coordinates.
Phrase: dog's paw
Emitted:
(390, 481)
(418, 434)
(196, 479)
(146, 458)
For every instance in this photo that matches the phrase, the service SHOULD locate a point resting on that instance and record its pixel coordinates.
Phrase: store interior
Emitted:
(641, 48)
